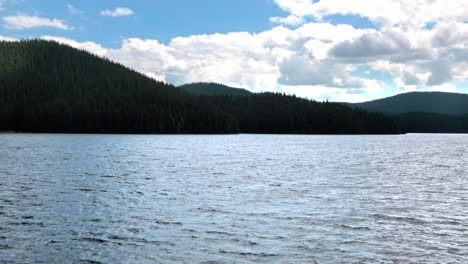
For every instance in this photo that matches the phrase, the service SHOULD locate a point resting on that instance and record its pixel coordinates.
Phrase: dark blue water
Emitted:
(233, 199)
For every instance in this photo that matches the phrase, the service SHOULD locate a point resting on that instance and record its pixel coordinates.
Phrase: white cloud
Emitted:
(235, 59)
(376, 44)
(446, 87)
(290, 20)
(409, 12)
(2, 38)
(416, 56)
(259, 62)
(303, 71)
(88, 45)
(316, 59)
(117, 12)
(296, 7)
(27, 22)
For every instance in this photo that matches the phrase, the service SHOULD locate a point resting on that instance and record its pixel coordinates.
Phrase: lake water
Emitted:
(233, 199)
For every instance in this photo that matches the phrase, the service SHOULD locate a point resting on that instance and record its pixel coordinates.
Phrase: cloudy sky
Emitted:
(340, 50)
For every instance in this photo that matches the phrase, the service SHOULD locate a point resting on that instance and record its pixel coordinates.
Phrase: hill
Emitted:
(427, 102)
(432, 123)
(213, 89)
(282, 114)
(424, 112)
(48, 87)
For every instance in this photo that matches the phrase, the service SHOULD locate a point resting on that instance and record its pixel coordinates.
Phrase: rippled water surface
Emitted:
(233, 199)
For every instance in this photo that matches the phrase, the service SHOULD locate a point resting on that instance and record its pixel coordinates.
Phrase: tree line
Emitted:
(49, 87)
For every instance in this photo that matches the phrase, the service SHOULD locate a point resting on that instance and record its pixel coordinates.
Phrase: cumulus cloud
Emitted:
(296, 7)
(117, 12)
(384, 12)
(27, 22)
(302, 71)
(450, 34)
(316, 59)
(87, 45)
(256, 61)
(268, 61)
(441, 72)
(376, 44)
(290, 20)
(403, 45)
(235, 59)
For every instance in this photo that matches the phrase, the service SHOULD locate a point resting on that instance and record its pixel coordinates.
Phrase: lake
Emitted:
(233, 199)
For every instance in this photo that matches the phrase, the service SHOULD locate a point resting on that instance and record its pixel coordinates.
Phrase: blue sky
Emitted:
(156, 19)
(352, 50)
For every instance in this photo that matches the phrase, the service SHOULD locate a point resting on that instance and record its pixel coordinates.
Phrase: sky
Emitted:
(337, 50)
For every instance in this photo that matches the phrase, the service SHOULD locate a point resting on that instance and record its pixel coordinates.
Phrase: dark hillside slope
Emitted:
(425, 112)
(427, 102)
(432, 123)
(48, 87)
(213, 89)
(283, 114)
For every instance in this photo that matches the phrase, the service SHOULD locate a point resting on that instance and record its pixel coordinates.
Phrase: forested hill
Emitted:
(213, 89)
(427, 102)
(48, 87)
(283, 114)
(425, 112)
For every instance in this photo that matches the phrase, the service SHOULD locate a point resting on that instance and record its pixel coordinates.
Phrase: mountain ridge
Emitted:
(214, 89)
(423, 102)
(424, 112)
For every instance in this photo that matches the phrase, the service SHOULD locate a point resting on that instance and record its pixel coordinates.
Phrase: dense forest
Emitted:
(417, 122)
(49, 87)
(280, 114)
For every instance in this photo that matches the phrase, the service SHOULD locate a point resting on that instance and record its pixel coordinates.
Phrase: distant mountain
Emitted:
(424, 112)
(427, 102)
(48, 87)
(213, 89)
